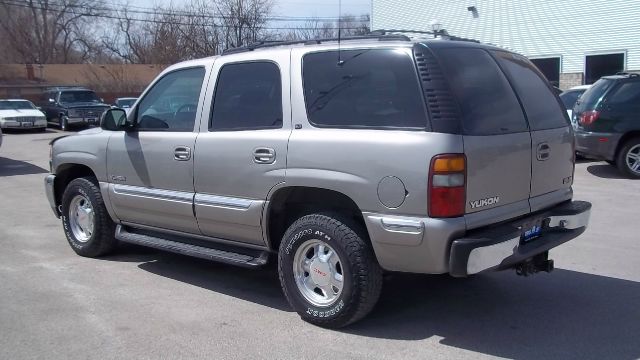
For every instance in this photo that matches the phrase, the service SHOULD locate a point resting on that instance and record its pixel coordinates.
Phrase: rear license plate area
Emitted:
(530, 231)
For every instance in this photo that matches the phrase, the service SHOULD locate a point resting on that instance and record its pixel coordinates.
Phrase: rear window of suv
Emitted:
(487, 104)
(592, 97)
(368, 88)
(540, 103)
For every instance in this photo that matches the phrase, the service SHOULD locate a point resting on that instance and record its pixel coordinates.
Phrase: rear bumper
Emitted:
(500, 247)
(597, 145)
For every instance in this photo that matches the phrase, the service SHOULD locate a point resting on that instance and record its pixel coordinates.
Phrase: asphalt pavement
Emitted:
(143, 303)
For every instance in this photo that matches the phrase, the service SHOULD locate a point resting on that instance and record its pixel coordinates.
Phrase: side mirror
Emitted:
(115, 120)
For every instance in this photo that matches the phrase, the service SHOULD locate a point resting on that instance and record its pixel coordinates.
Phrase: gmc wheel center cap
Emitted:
(320, 272)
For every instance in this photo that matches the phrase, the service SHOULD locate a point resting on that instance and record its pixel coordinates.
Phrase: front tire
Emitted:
(62, 122)
(628, 159)
(87, 225)
(328, 272)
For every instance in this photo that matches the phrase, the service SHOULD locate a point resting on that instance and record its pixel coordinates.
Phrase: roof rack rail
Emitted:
(273, 43)
(442, 33)
(628, 73)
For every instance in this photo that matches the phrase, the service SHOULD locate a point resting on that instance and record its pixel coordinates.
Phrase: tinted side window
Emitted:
(371, 88)
(172, 102)
(248, 96)
(626, 95)
(488, 105)
(540, 104)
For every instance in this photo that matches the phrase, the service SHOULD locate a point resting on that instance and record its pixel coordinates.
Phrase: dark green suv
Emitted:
(608, 122)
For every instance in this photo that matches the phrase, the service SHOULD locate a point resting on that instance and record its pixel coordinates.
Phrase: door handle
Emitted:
(543, 152)
(182, 153)
(264, 155)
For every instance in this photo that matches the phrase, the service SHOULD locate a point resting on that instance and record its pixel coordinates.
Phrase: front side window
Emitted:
(540, 104)
(172, 102)
(488, 106)
(248, 97)
(368, 88)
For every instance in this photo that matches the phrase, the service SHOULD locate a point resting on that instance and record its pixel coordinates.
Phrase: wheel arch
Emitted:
(287, 204)
(623, 140)
(67, 172)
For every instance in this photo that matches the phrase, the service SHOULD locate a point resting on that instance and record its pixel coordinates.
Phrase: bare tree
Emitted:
(243, 21)
(43, 31)
(349, 25)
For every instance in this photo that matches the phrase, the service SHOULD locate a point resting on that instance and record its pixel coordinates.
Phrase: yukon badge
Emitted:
(484, 202)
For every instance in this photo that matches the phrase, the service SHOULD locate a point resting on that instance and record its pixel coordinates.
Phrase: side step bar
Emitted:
(202, 252)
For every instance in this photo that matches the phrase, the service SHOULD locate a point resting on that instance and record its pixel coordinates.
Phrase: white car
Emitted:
(20, 113)
(570, 97)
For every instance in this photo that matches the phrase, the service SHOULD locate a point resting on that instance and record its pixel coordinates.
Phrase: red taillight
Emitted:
(447, 177)
(589, 117)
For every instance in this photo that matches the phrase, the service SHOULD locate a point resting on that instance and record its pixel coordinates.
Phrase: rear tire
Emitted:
(87, 224)
(628, 159)
(328, 273)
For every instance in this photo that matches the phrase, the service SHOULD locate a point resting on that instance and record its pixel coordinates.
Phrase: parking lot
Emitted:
(142, 303)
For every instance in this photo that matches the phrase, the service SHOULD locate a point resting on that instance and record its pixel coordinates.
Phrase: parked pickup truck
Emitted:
(340, 162)
(72, 107)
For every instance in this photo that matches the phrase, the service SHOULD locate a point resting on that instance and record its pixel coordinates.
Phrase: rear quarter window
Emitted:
(487, 104)
(540, 104)
(369, 88)
(626, 95)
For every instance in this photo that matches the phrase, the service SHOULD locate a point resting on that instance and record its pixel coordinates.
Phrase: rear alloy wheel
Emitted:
(628, 159)
(327, 271)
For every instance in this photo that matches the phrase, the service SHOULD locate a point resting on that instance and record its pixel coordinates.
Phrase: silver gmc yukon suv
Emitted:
(340, 161)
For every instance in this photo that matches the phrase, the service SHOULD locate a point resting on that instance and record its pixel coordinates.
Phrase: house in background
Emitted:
(573, 42)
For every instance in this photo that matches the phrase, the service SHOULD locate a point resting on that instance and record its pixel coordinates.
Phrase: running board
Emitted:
(202, 252)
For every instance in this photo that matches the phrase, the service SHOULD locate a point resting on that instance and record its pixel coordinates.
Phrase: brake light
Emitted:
(447, 190)
(589, 117)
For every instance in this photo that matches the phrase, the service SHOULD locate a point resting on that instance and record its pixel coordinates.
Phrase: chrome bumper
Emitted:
(49, 181)
(500, 247)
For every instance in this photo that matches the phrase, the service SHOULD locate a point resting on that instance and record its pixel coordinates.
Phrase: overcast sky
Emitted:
(303, 8)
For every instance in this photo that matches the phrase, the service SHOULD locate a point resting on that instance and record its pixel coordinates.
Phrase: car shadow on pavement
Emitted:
(258, 286)
(10, 167)
(605, 171)
(565, 314)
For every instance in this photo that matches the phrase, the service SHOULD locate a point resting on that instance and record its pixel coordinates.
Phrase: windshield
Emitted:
(78, 96)
(16, 105)
(592, 97)
(125, 103)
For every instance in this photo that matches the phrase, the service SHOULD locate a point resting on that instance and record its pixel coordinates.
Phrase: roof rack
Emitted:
(628, 74)
(269, 43)
(443, 33)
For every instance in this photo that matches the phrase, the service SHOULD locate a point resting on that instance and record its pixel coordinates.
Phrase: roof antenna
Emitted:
(340, 62)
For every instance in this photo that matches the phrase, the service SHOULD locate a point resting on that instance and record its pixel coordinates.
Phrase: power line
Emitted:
(156, 12)
(157, 21)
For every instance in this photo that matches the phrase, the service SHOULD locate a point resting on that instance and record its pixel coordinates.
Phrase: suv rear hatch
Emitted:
(517, 137)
